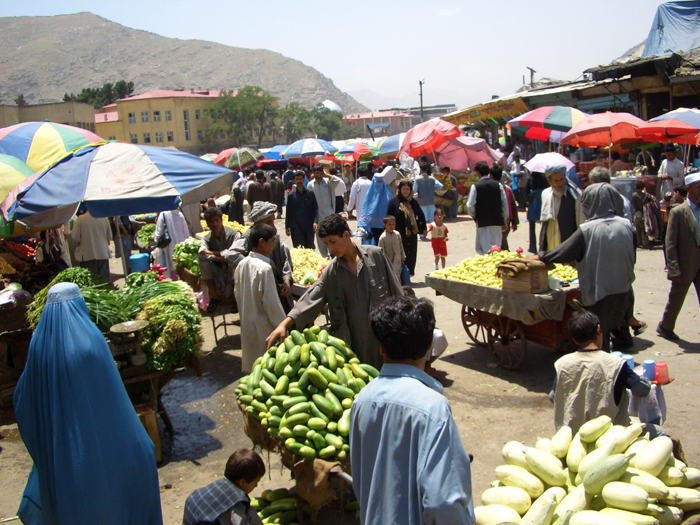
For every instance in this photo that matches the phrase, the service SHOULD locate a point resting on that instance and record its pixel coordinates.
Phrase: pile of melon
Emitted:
(604, 475)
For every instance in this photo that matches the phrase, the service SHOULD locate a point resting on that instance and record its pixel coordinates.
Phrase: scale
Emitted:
(125, 340)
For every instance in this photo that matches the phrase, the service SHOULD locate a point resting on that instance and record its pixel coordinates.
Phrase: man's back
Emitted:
(409, 465)
(488, 203)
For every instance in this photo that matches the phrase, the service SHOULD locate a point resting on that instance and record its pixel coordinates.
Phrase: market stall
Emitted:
(504, 312)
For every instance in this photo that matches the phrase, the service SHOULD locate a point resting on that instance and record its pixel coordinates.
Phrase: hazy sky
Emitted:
(466, 51)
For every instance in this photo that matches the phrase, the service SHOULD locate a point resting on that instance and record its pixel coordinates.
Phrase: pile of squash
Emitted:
(604, 475)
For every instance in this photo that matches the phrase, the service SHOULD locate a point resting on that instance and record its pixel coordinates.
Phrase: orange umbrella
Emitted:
(604, 129)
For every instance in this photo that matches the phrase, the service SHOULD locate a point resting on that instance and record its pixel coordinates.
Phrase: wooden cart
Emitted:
(504, 321)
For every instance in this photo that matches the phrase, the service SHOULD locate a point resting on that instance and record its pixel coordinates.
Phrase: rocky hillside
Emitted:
(45, 57)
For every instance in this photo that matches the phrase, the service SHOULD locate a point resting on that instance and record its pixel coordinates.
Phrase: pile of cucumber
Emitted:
(302, 390)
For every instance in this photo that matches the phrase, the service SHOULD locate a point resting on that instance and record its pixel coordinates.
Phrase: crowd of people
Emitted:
(409, 464)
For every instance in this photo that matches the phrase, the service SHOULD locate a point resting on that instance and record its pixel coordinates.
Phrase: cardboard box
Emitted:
(534, 281)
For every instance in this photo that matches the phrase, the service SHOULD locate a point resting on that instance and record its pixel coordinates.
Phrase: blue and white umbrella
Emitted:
(308, 148)
(390, 146)
(115, 178)
(274, 152)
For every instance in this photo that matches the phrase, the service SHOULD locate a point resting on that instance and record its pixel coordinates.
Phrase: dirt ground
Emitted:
(490, 405)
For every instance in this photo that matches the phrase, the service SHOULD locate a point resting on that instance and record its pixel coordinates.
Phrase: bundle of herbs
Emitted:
(186, 255)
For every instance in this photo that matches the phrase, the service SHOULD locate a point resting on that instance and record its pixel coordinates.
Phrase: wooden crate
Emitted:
(148, 419)
(534, 281)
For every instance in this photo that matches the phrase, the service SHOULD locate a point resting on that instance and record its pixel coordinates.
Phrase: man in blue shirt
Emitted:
(408, 463)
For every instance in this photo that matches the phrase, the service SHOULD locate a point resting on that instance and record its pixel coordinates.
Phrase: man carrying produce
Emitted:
(408, 462)
(358, 279)
(216, 258)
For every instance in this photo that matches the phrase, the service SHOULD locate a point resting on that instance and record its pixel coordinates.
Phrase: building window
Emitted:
(159, 136)
(112, 138)
(206, 113)
(168, 115)
(144, 116)
(196, 114)
(200, 136)
(134, 138)
(156, 116)
(186, 118)
(170, 136)
(132, 118)
(146, 138)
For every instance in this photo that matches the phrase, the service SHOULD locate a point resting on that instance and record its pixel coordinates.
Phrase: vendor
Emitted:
(560, 212)
(280, 259)
(354, 282)
(216, 258)
(591, 382)
(603, 246)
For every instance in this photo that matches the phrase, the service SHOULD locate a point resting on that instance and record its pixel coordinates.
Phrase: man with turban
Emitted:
(561, 210)
(280, 259)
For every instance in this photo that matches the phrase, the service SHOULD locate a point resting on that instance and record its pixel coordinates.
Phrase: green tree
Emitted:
(20, 100)
(102, 96)
(328, 125)
(294, 122)
(242, 117)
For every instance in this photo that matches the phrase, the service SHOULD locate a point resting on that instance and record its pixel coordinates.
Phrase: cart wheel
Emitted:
(476, 331)
(507, 342)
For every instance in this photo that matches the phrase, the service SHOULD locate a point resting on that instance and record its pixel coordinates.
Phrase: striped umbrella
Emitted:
(40, 144)
(356, 150)
(308, 148)
(558, 118)
(390, 146)
(115, 178)
(241, 158)
(12, 172)
(209, 157)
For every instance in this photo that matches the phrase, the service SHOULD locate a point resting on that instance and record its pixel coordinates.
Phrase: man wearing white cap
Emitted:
(682, 255)
(264, 213)
(670, 171)
(561, 208)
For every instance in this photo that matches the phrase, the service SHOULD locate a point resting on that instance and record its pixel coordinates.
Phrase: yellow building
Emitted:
(73, 113)
(176, 118)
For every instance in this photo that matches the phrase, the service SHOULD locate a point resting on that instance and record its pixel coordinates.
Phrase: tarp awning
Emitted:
(676, 29)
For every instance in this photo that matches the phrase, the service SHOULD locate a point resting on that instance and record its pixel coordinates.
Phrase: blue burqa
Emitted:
(93, 460)
(375, 205)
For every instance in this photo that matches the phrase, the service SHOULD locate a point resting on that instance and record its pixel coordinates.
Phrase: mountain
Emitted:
(45, 57)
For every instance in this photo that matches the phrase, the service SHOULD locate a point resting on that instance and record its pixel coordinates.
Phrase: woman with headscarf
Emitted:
(173, 222)
(374, 207)
(410, 221)
(93, 460)
(603, 246)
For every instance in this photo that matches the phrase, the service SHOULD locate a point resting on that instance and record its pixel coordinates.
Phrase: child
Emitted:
(256, 294)
(438, 236)
(439, 346)
(226, 501)
(390, 242)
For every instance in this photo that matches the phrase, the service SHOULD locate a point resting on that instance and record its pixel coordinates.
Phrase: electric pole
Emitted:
(420, 84)
(532, 75)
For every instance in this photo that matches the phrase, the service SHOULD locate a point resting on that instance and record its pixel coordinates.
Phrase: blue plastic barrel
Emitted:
(139, 262)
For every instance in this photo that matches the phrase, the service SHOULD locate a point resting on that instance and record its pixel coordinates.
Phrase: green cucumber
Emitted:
(304, 354)
(337, 408)
(297, 338)
(257, 375)
(340, 359)
(289, 343)
(334, 440)
(323, 405)
(359, 372)
(294, 354)
(319, 352)
(310, 336)
(371, 371)
(312, 389)
(332, 427)
(315, 329)
(281, 363)
(323, 337)
(291, 370)
(344, 423)
(282, 385)
(285, 432)
(297, 419)
(294, 392)
(269, 376)
(316, 423)
(342, 377)
(317, 378)
(352, 385)
(319, 441)
(299, 408)
(304, 380)
(245, 399)
(328, 374)
(274, 421)
(278, 400)
(257, 405)
(300, 430)
(315, 412)
(327, 452)
(332, 361)
(276, 410)
(340, 391)
(270, 363)
(267, 389)
(291, 401)
(360, 383)
(346, 402)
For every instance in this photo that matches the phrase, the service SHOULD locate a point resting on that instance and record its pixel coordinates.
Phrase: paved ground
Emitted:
(491, 405)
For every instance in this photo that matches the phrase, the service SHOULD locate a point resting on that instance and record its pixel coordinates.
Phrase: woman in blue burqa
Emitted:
(93, 460)
(374, 207)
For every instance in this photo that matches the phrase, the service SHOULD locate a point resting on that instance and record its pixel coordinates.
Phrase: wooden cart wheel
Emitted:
(507, 342)
(476, 331)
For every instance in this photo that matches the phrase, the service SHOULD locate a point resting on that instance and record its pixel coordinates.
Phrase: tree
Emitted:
(102, 96)
(242, 117)
(20, 100)
(294, 122)
(328, 125)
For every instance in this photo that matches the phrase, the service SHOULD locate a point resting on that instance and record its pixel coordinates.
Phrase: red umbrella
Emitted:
(223, 156)
(604, 129)
(426, 136)
(667, 130)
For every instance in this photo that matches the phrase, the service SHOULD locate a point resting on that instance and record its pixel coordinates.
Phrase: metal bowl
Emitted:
(128, 327)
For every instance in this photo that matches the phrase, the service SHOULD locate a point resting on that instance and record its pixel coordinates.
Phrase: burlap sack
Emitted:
(313, 485)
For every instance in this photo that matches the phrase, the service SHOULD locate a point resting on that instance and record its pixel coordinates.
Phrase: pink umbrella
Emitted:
(462, 153)
(604, 129)
(425, 137)
(542, 161)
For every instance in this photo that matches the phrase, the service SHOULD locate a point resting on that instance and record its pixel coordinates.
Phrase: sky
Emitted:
(465, 51)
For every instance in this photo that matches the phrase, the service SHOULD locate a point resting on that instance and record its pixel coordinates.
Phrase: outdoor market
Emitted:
(486, 320)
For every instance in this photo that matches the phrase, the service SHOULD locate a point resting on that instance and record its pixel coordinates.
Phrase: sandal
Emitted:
(639, 330)
(211, 307)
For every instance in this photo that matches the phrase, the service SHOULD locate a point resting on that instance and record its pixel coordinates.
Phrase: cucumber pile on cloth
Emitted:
(604, 475)
(302, 390)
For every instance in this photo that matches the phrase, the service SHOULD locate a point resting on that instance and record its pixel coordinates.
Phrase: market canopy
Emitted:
(425, 137)
(462, 153)
(40, 144)
(604, 129)
(113, 178)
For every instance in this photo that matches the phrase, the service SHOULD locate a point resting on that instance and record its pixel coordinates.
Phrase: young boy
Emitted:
(390, 242)
(438, 236)
(256, 294)
(639, 199)
(226, 501)
(439, 346)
